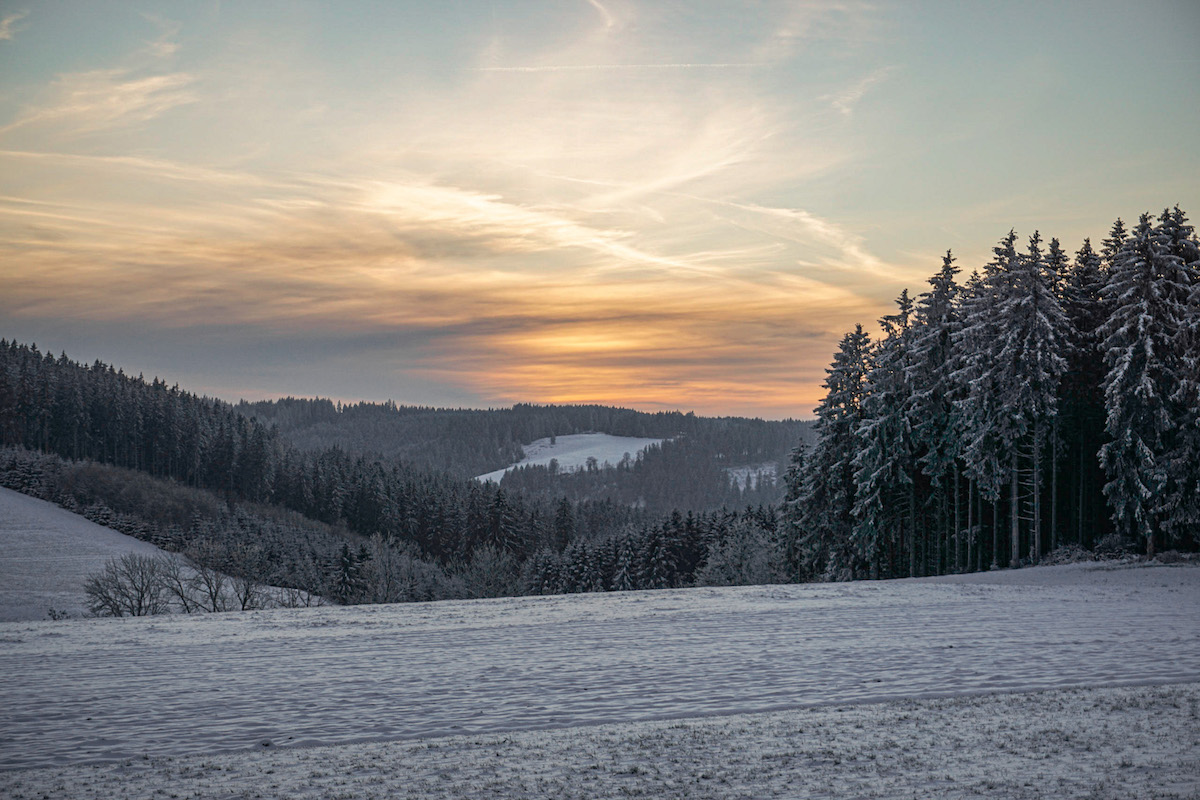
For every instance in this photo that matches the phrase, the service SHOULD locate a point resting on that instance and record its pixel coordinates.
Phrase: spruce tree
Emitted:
(1149, 287)
(980, 410)
(884, 467)
(1181, 501)
(825, 522)
(934, 390)
(1082, 389)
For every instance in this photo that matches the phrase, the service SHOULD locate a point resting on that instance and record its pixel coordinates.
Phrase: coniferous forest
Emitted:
(1049, 401)
(197, 476)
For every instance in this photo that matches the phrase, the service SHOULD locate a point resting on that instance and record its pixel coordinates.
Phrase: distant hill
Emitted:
(367, 516)
(577, 451)
(700, 463)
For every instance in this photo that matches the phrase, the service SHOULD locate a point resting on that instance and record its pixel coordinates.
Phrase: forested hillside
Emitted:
(690, 470)
(1045, 401)
(192, 474)
(1048, 400)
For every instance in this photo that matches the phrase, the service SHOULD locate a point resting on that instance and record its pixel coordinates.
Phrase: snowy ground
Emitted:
(46, 553)
(1098, 744)
(742, 475)
(163, 697)
(573, 451)
(1076, 681)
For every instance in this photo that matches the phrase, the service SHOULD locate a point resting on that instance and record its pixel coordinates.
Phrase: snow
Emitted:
(1080, 680)
(1099, 744)
(46, 554)
(573, 451)
(113, 689)
(741, 475)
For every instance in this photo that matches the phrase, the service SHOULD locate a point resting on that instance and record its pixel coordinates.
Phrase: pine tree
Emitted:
(885, 463)
(985, 451)
(1111, 247)
(1180, 506)
(825, 522)
(1012, 404)
(1149, 287)
(934, 390)
(1057, 270)
(1082, 390)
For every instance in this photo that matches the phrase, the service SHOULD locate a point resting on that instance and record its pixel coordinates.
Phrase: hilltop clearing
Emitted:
(573, 452)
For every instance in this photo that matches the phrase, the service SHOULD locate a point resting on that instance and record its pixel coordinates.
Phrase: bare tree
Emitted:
(211, 584)
(179, 583)
(130, 585)
(247, 564)
(291, 597)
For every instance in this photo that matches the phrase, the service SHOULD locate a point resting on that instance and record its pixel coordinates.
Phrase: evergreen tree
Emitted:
(934, 390)
(1181, 260)
(1082, 388)
(825, 521)
(885, 463)
(980, 411)
(1149, 287)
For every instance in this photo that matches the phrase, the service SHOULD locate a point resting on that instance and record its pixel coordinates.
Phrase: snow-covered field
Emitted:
(1098, 744)
(46, 554)
(760, 689)
(742, 475)
(573, 451)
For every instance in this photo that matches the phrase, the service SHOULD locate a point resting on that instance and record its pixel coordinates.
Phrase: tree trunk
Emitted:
(1035, 538)
(1054, 486)
(1079, 532)
(957, 525)
(1015, 513)
(972, 544)
(996, 532)
(912, 527)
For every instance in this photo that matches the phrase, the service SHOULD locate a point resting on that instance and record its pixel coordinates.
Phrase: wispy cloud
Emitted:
(617, 67)
(845, 101)
(609, 20)
(9, 26)
(157, 167)
(86, 101)
(164, 45)
(605, 225)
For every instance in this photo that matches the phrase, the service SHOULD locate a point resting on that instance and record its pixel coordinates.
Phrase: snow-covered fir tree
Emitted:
(885, 506)
(934, 390)
(1082, 412)
(1149, 288)
(1040, 381)
(825, 509)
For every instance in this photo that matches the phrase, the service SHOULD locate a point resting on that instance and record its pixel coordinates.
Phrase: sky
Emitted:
(657, 205)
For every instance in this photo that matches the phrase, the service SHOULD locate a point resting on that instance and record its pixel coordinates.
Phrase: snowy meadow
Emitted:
(949, 685)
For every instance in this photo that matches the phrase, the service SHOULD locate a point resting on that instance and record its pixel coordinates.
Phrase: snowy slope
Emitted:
(742, 475)
(572, 452)
(46, 553)
(111, 690)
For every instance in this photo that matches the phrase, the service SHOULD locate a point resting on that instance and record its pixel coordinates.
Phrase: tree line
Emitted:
(195, 477)
(686, 471)
(1046, 401)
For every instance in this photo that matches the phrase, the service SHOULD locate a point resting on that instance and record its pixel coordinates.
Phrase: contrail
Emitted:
(601, 67)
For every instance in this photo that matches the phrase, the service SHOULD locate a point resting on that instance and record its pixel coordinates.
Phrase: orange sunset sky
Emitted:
(648, 204)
